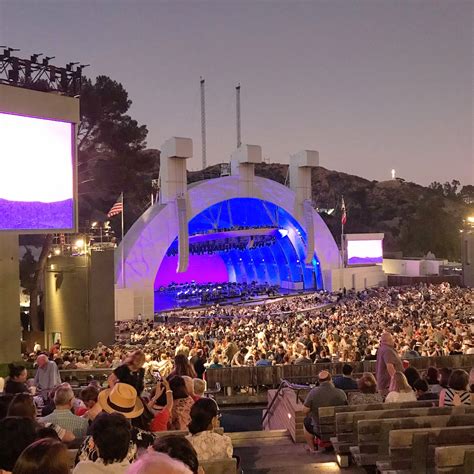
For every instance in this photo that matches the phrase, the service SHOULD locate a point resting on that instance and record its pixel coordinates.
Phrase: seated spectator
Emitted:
(444, 374)
(16, 433)
(111, 437)
(164, 366)
(422, 390)
(123, 399)
(456, 349)
(179, 448)
(153, 463)
(432, 378)
(16, 382)
(161, 405)
(208, 445)
(200, 386)
(324, 395)
(24, 406)
(345, 382)
(368, 393)
(215, 363)
(62, 416)
(43, 456)
(262, 360)
(303, 359)
(457, 392)
(400, 390)
(412, 375)
(182, 403)
(89, 396)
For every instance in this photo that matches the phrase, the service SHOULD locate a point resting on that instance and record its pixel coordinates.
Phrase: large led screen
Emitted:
(364, 252)
(36, 174)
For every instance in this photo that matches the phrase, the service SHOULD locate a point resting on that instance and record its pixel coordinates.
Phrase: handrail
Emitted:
(283, 384)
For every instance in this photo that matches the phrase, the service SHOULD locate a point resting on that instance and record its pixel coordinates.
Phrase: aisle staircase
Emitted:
(274, 452)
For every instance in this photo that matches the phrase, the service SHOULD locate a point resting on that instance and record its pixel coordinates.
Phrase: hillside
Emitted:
(415, 219)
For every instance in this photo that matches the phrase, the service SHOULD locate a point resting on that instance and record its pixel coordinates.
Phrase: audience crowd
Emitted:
(159, 370)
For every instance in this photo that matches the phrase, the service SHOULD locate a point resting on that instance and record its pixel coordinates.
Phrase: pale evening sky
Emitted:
(372, 84)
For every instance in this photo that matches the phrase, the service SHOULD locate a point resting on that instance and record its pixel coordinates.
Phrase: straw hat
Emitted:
(122, 398)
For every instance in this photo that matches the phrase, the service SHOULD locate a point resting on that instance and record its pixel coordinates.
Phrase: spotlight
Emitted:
(57, 251)
(80, 243)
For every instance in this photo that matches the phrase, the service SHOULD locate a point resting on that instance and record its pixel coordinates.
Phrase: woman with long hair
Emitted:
(400, 390)
(182, 403)
(182, 366)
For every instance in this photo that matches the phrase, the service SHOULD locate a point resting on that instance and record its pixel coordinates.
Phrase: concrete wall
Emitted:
(10, 332)
(467, 252)
(101, 298)
(357, 278)
(408, 267)
(79, 297)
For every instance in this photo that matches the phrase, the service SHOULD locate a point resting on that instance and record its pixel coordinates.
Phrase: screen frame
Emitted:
(352, 237)
(45, 106)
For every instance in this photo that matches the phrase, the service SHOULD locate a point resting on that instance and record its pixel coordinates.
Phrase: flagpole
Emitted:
(122, 244)
(342, 233)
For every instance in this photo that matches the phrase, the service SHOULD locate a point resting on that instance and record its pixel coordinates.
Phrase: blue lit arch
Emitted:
(283, 261)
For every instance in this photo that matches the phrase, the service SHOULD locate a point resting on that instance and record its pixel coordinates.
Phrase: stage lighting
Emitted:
(57, 251)
(80, 243)
(470, 219)
(283, 232)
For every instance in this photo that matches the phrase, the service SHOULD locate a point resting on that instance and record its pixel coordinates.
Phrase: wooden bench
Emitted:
(346, 424)
(454, 459)
(220, 466)
(327, 415)
(373, 436)
(413, 450)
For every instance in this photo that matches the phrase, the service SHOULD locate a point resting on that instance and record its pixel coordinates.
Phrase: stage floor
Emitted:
(166, 301)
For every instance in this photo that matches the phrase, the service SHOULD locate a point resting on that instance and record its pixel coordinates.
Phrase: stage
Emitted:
(167, 300)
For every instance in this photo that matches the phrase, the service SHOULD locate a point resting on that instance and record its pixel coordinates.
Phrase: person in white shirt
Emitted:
(400, 390)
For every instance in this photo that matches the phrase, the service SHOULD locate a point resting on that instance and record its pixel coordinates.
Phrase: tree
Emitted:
(111, 150)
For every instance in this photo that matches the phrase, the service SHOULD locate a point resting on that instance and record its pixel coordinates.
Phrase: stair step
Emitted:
(258, 434)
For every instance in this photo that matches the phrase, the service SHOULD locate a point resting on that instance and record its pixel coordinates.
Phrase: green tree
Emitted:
(431, 228)
(111, 151)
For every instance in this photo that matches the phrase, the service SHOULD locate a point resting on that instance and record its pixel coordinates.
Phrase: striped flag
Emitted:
(344, 215)
(117, 208)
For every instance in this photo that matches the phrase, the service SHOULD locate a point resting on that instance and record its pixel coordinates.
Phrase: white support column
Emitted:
(174, 187)
(242, 163)
(174, 153)
(300, 182)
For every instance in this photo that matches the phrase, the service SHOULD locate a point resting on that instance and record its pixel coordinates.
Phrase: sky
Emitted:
(371, 84)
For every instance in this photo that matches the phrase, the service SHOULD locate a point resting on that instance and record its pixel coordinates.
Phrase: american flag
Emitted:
(117, 208)
(344, 215)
